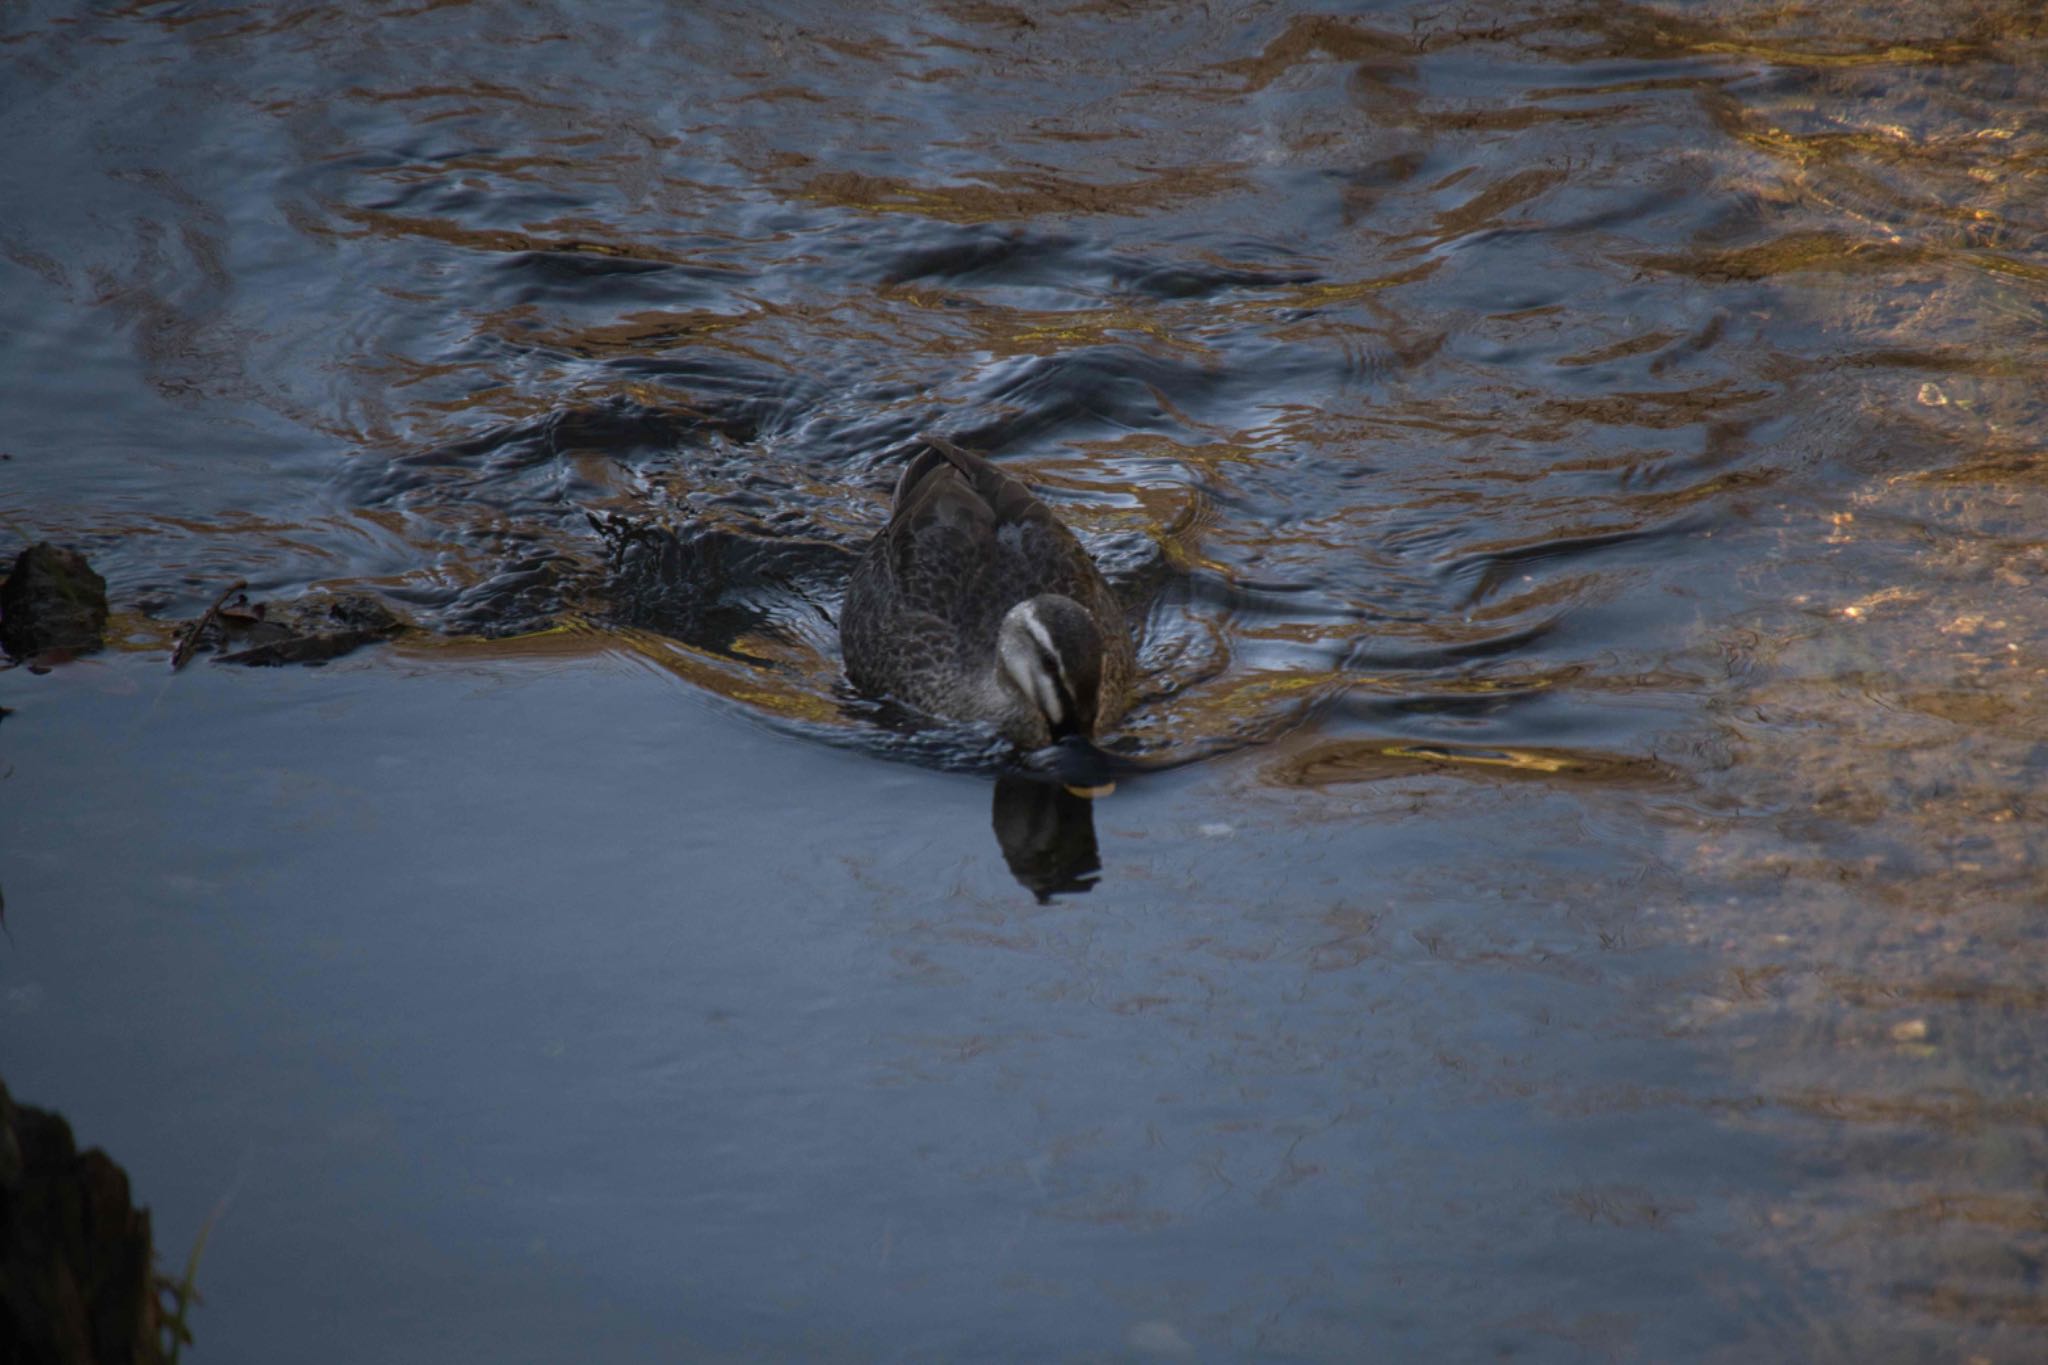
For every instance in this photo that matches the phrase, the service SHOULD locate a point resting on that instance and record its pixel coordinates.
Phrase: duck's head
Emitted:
(1049, 653)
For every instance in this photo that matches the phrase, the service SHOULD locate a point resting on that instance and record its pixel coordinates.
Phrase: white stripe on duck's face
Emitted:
(1034, 665)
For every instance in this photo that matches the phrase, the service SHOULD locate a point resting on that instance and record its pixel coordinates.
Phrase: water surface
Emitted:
(1576, 470)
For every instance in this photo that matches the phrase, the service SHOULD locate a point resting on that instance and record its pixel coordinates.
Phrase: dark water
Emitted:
(1579, 469)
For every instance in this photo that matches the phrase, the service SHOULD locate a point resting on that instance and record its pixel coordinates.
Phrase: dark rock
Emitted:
(314, 630)
(77, 1282)
(52, 601)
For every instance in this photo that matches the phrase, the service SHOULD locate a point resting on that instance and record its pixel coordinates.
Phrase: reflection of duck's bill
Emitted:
(1094, 793)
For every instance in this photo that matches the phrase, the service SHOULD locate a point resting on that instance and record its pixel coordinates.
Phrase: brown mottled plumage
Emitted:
(975, 603)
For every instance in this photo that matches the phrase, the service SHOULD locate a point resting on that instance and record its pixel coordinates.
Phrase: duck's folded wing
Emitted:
(939, 547)
(1008, 501)
(1029, 550)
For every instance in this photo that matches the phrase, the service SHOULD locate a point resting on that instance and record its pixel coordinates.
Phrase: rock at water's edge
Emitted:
(52, 600)
(75, 1257)
(316, 629)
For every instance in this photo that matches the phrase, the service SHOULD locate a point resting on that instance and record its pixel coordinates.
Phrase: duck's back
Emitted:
(965, 543)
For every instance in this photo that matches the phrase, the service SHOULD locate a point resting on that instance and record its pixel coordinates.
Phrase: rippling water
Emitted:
(1578, 467)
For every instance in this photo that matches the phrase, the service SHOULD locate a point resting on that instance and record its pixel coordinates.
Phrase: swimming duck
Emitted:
(976, 604)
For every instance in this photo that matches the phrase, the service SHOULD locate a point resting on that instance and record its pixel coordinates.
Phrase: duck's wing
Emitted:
(1008, 501)
(937, 553)
(1029, 550)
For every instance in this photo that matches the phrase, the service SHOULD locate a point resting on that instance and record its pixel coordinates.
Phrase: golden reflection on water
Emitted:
(1347, 761)
(1011, 196)
(805, 696)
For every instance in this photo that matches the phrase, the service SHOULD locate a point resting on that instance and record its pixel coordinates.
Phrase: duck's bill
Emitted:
(1077, 765)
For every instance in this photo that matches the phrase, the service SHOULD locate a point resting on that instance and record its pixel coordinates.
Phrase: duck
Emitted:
(975, 603)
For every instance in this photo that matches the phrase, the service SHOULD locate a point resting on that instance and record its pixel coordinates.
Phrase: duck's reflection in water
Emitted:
(1047, 834)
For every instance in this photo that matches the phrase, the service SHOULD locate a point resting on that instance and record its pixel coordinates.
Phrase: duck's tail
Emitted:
(1005, 496)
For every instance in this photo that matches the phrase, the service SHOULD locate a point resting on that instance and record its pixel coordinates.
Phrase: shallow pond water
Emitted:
(1577, 472)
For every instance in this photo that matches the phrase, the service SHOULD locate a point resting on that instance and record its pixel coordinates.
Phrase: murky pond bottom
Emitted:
(555, 1013)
